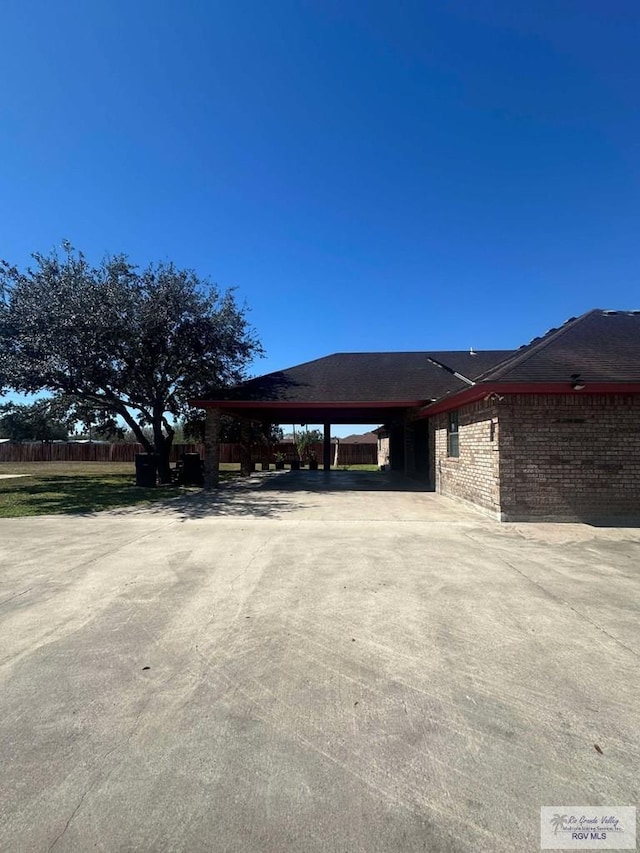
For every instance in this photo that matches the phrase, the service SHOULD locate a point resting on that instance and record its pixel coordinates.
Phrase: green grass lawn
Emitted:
(355, 468)
(82, 487)
(76, 487)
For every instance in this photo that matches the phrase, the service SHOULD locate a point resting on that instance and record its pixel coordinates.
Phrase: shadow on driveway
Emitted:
(313, 495)
(339, 481)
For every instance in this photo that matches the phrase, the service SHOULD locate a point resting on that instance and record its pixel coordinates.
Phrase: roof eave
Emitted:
(506, 388)
(305, 404)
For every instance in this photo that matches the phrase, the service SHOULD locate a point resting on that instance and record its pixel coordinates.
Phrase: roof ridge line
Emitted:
(535, 347)
(383, 352)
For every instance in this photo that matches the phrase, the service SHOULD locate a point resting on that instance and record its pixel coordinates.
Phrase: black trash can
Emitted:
(146, 469)
(191, 473)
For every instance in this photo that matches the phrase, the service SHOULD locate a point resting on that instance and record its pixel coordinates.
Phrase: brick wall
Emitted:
(383, 450)
(473, 476)
(569, 457)
(545, 457)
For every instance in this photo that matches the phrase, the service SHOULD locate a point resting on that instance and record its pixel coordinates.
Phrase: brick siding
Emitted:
(569, 457)
(474, 476)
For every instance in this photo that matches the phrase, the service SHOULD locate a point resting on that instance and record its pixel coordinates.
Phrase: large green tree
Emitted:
(304, 441)
(35, 422)
(119, 344)
(230, 430)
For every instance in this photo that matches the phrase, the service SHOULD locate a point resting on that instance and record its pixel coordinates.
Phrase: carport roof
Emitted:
(362, 387)
(598, 351)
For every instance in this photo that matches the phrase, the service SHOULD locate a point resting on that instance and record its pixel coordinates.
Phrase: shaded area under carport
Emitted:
(339, 481)
(368, 496)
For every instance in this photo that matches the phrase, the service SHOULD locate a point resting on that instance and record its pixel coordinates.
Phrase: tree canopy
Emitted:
(304, 441)
(193, 429)
(116, 343)
(35, 422)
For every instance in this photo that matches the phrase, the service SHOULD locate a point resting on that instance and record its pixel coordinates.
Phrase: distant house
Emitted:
(362, 438)
(548, 431)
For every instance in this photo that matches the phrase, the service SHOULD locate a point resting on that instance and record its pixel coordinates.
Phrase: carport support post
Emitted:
(409, 450)
(326, 448)
(212, 449)
(245, 447)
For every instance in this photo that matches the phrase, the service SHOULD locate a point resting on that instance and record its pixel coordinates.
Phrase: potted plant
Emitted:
(304, 442)
(279, 457)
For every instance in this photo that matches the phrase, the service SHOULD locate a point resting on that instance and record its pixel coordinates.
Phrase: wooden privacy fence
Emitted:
(349, 454)
(89, 452)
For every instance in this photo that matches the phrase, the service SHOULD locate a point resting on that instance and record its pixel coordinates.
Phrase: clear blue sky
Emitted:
(371, 176)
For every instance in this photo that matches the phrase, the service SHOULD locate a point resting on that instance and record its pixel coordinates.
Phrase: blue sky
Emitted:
(370, 176)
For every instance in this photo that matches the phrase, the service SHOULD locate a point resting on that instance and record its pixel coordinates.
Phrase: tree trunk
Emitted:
(135, 428)
(162, 448)
(164, 463)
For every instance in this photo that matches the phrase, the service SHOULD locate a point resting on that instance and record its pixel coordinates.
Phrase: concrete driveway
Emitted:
(301, 664)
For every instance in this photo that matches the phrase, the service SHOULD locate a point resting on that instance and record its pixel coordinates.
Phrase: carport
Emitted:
(389, 388)
(266, 414)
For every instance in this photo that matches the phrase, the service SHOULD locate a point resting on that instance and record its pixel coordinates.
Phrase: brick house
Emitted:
(550, 431)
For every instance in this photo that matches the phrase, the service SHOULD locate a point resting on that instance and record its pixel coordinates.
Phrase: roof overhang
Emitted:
(485, 389)
(376, 411)
(333, 412)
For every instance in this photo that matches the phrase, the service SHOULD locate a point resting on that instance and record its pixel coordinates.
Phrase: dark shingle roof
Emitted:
(366, 377)
(362, 438)
(601, 346)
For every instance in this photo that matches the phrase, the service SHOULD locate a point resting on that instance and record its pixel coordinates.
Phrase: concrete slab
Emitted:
(280, 669)
(318, 496)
